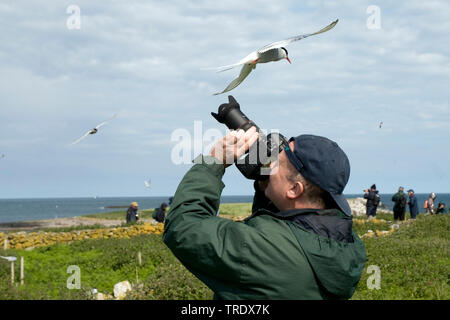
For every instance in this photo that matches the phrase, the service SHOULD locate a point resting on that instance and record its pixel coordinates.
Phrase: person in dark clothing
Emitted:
(297, 244)
(132, 214)
(170, 200)
(373, 199)
(399, 200)
(440, 208)
(412, 202)
(160, 214)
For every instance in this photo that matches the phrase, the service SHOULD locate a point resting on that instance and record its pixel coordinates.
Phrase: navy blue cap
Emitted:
(324, 163)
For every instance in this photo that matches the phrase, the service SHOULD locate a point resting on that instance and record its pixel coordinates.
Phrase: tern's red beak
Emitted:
(287, 58)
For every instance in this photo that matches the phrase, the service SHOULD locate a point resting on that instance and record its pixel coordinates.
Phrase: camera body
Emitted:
(255, 163)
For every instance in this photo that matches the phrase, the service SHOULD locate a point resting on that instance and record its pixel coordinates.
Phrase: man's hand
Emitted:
(234, 145)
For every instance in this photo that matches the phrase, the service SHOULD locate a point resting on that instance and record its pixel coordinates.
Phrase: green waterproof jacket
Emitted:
(399, 200)
(296, 254)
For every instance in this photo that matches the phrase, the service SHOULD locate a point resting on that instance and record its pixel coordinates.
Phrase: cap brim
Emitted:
(342, 203)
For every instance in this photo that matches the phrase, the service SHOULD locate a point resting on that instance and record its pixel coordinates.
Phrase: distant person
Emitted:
(429, 204)
(412, 202)
(399, 200)
(440, 208)
(373, 200)
(160, 214)
(170, 200)
(132, 214)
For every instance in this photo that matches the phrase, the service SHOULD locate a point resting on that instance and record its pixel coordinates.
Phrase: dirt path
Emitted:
(60, 223)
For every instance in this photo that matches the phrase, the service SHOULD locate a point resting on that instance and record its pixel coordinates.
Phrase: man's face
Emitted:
(278, 181)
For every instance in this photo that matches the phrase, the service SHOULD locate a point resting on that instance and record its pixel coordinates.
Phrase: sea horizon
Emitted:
(347, 195)
(27, 209)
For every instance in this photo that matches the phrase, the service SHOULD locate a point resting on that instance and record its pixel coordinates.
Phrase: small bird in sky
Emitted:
(147, 183)
(2, 156)
(272, 52)
(381, 123)
(93, 131)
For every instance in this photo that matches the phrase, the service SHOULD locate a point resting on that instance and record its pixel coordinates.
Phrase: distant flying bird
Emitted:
(2, 156)
(93, 131)
(272, 52)
(148, 183)
(381, 123)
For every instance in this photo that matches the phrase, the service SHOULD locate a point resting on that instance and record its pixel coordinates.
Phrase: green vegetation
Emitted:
(102, 263)
(230, 210)
(414, 263)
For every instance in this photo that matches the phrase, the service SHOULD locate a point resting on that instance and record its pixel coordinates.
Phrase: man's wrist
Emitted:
(211, 162)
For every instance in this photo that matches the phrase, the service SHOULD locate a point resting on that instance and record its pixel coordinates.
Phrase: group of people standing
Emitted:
(159, 214)
(400, 200)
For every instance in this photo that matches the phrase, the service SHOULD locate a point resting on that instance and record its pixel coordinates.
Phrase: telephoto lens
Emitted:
(231, 115)
(255, 164)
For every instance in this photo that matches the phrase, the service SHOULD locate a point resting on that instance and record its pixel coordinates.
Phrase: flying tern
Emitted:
(148, 183)
(272, 52)
(93, 131)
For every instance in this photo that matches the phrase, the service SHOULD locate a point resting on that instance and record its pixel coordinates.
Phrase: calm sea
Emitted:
(13, 210)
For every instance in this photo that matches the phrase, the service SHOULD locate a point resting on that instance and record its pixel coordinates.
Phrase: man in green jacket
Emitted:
(297, 244)
(400, 201)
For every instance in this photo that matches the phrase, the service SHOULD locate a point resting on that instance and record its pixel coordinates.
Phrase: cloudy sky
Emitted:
(148, 62)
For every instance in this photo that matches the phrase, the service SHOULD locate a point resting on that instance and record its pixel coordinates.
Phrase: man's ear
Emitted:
(295, 191)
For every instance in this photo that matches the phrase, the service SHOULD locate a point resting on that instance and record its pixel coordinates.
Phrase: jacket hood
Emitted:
(334, 251)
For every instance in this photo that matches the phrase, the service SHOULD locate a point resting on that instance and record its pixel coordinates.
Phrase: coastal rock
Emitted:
(23, 240)
(103, 296)
(358, 206)
(121, 289)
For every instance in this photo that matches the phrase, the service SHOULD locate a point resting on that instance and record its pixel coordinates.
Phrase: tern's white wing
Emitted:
(147, 183)
(104, 122)
(81, 138)
(245, 71)
(283, 43)
(251, 57)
